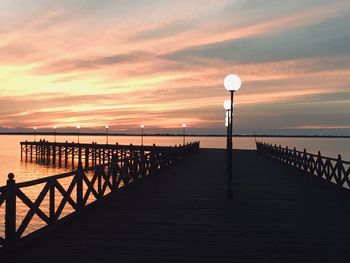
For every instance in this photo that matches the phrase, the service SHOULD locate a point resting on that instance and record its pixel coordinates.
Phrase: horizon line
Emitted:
(174, 134)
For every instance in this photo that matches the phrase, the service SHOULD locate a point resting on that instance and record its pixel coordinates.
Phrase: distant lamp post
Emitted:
(107, 134)
(78, 132)
(183, 133)
(142, 127)
(55, 128)
(232, 83)
(34, 128)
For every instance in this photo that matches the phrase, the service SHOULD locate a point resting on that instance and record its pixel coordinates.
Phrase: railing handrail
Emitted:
(103, 145)
(330, 169)
(59, 176)
(302, 152)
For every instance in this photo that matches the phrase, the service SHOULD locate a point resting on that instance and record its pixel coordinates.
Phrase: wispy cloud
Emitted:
(163, 62)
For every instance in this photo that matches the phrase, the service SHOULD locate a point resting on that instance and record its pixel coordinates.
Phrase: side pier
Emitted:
(70, 154)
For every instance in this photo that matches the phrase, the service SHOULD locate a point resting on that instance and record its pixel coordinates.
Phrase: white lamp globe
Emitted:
(227, 105)
(232, 82)
(142, 126)
(184, 125)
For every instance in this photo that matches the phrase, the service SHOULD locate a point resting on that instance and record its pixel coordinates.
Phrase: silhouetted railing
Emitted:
(333, 170)
(72, 192)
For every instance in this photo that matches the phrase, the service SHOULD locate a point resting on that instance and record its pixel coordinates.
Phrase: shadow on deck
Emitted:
(278, 215)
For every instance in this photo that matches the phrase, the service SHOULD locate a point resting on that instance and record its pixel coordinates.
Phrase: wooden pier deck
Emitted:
(278, 215)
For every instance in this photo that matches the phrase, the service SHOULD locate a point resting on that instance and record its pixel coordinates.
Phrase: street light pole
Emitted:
(183, 133)
(142, 126)
(232, 83)
(78, 130)
(34, 134)
(55, 133)
(227, 107)
(107, 134)
(229, 188)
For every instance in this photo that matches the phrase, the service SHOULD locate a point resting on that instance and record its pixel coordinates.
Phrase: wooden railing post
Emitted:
(113, 170)
(79, 178)
(54, 153)
(10, 210)
(339, 169)
(52, 202)
(87, 156)
(99, 182)
(319, 164)
(79, 154)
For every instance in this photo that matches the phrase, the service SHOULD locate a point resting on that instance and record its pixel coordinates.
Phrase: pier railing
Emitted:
(70, 193)
(333, 170)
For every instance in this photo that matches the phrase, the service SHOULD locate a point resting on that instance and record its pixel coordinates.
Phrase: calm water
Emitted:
(10, 149)
(10, 160)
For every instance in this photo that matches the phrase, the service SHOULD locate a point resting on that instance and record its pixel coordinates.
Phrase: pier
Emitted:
(280, 213)
(89, 154)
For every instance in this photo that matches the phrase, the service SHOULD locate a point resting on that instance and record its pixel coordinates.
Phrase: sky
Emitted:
(162, 63)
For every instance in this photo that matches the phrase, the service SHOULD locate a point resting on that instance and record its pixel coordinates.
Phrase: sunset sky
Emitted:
(162, 63)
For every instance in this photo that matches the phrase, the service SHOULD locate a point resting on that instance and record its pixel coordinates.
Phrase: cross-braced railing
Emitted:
(69, 193)
(333, 170)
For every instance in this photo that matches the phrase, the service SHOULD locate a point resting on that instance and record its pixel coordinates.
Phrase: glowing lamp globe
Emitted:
(184, 125)
(227, 105)
(78, 127)
(232, 82)
(107, 126)
(142, 126)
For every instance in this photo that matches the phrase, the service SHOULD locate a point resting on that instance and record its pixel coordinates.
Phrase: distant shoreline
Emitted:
(175, 135)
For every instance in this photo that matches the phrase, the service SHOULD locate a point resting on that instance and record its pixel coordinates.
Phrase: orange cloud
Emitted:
(95, 67)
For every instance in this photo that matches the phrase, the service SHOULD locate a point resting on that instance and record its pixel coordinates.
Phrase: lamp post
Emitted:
(34, 128)
(183, 133)
(232, 83)
(142, 126)
(107, 134)
(227, 107)
(78, 132)
(55, 128)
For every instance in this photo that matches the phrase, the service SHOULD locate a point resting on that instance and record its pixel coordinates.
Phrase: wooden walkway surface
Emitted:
(278, 215)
